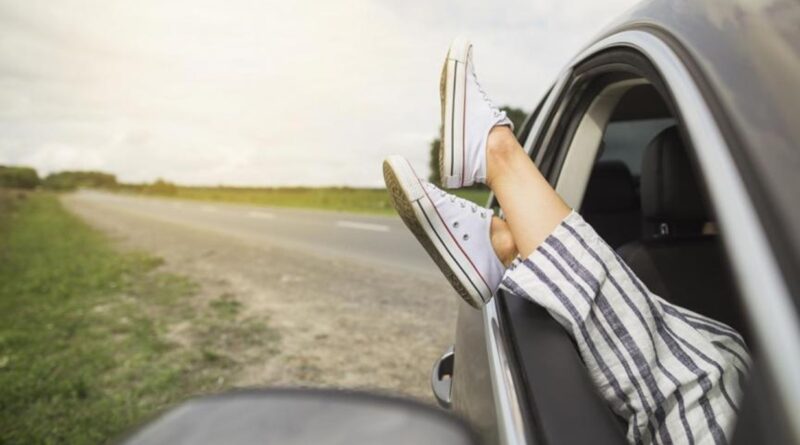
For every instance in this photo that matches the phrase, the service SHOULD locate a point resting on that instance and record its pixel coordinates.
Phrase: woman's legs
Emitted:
(531, 207)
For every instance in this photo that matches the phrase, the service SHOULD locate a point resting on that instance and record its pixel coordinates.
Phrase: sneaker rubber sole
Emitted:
(419, 214)
(452, 94)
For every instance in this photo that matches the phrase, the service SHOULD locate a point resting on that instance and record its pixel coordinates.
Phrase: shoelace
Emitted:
(456, 199)
(485, 96)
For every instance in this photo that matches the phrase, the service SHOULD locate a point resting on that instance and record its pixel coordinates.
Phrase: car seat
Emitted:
(611, 204)
(676, 260)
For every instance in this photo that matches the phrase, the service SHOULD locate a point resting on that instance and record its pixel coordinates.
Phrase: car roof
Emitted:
(747, 54)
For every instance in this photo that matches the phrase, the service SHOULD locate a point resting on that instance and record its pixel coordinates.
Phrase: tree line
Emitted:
(28, 178)
(21, 177)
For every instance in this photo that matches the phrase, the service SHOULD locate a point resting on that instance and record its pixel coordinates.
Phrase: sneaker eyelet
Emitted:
(465, 237)
(463, 205)
(456, 224)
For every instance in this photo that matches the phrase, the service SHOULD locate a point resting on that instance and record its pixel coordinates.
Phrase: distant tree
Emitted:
(161, 187)
(436, 146)
(517, 117)
(70, 180)
(18, 177)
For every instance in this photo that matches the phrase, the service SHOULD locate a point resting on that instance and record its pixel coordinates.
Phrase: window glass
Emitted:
(626, 140)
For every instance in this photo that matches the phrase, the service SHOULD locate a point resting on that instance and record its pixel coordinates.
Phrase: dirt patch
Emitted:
(330, 321)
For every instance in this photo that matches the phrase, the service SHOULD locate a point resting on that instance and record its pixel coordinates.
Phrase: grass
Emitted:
(358, 200)
(87, 345)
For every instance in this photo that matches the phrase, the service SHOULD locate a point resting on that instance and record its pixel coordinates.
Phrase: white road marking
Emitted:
(362, 226)
(208, 209)
(260, 215)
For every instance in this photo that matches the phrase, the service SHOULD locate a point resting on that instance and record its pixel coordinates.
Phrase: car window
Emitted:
(598, 146)
(626, 141)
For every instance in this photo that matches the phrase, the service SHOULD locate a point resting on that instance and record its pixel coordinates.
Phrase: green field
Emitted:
(85, 345)
(339, 199)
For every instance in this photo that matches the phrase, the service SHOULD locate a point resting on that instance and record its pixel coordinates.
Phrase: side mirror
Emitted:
(302, 416)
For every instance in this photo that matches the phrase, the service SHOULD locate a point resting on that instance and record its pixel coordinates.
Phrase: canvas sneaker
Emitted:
(454, 231)
(467, 117)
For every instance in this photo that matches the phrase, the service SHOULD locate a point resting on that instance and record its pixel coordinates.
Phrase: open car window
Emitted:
(605, 156)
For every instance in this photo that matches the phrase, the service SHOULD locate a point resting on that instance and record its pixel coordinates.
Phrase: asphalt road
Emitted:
(352, 301)
(377, 240)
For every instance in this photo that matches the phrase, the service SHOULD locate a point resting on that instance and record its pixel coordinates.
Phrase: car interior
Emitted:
(645, 199)
(644, 196)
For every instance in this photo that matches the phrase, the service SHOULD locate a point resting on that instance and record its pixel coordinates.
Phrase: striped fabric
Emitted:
(675, 375)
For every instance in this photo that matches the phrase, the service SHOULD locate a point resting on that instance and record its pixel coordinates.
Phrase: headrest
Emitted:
(610, 189)
(670, 190)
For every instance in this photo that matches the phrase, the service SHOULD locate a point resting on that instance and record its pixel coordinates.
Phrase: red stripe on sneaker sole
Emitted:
(475, 268)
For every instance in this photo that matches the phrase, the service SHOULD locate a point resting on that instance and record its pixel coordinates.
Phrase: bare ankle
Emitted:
(503, 242)
(500, 147)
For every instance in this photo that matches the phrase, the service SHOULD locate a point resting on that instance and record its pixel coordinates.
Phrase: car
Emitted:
(714, 82)
(301, 416)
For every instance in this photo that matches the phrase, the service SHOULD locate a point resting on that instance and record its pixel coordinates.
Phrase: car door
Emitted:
(540, 391)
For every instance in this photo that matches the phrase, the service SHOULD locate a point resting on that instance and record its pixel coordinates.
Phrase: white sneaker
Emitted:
(467, 117)
(454, 231)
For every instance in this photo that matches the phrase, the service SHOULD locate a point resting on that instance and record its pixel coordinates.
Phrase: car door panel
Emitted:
(562, 402)
(472, 395)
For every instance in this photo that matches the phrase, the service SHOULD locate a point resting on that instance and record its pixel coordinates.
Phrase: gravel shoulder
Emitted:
(339, 322)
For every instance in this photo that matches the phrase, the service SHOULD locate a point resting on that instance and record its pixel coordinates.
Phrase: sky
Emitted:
(261, 92)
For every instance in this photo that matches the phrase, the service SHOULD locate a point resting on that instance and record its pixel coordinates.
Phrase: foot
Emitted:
(455, 232)
(467, 117)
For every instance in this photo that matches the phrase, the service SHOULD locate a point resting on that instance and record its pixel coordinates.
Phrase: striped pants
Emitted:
(674, 375)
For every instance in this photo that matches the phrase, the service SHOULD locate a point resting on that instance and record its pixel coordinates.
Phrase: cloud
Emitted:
(259, 92)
